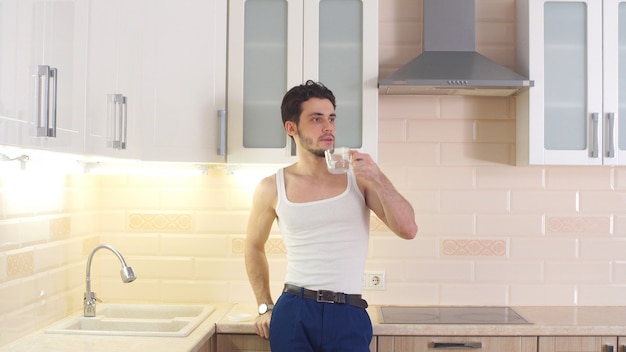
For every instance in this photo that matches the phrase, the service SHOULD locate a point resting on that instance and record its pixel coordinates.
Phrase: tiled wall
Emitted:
(490, 232)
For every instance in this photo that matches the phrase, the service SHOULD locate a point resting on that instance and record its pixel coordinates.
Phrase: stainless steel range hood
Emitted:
(450, 64)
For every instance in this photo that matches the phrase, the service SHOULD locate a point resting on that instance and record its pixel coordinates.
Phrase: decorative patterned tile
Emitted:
(472, 247)
(20, 264)
(238, 245)
(578, 224)
(60, 228)
(160, 222)
(272, 246)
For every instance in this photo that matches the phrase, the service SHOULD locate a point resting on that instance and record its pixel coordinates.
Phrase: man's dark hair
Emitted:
(291, 107)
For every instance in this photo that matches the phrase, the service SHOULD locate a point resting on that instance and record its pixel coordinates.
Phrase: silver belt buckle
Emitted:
(324, 296)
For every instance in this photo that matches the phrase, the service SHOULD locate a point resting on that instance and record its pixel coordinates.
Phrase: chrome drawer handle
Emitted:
(457, 345)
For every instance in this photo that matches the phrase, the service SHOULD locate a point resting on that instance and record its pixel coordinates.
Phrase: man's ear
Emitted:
(290, 128)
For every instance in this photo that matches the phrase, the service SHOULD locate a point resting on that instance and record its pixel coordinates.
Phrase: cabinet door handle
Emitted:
(117, 124)
(457, 345)
(52, 118)
(221, 148)
(46, 122)
(123, 123)
(611, 118)
(594, 142)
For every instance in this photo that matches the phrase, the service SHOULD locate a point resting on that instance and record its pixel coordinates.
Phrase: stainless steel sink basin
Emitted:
(136, 320)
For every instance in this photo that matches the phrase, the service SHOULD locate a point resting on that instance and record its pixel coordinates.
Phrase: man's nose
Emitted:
(328, 126)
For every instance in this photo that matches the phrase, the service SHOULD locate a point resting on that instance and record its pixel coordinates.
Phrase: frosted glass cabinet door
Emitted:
(572, 82)
(276, 44)
(559, 121)
(343, 67)
(615, 81)
(265, 59)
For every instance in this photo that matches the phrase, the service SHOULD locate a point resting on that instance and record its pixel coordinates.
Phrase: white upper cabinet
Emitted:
(277, 44)
(157, 79)
(114, 77)
(573, 50)
(43, 73)
(184, 91)
(8, 72)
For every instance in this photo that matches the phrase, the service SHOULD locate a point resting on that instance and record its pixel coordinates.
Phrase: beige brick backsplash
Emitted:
(389, 247)
(539, 248)
(406, 107)
(490, 131)
(451, 177)
(509, 225)
(599, 248)
(454, 154)
(590, 272)
(439, 131)
(474, 294)
(392, 130)
(509, 177)
(595, 202)
(473, 108)
(449, 271)
(421, 154)
(474, 247)
(509, 272)
(446, 224)
(542, 294)
(611, 295)
(160, 222)
(529, 201)
(490, 201)
(590, 178)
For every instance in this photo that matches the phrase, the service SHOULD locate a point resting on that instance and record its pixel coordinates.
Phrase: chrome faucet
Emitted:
(89, 304)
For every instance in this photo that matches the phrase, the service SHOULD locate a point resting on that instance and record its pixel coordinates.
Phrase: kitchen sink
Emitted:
(135, 320)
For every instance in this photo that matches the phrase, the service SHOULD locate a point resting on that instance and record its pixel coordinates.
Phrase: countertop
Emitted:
(545, 321)
(40, 341)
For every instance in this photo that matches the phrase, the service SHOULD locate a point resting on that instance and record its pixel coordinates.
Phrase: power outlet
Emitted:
(374, 280)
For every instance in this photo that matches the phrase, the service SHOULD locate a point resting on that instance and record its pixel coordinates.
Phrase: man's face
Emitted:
(316, 129)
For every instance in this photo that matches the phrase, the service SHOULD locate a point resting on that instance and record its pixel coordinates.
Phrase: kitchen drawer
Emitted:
(457, 343)
(250, 343)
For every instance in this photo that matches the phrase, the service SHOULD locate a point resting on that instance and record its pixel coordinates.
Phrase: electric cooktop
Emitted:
(449, 315)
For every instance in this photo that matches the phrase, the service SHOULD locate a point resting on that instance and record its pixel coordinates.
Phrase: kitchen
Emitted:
(491, 232)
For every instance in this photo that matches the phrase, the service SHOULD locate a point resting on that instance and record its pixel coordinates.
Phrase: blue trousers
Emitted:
(300, 324)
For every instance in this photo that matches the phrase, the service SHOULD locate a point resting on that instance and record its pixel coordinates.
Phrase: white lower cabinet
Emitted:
(457, 343)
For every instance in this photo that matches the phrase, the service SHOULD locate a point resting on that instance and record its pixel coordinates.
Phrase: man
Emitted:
(324, 221)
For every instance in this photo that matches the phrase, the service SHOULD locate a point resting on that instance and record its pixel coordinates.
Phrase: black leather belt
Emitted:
(325, 296)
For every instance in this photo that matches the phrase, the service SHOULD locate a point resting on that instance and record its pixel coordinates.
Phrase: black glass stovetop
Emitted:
(449, 315)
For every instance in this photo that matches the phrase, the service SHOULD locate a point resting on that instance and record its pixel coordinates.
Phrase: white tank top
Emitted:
(326, 240)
